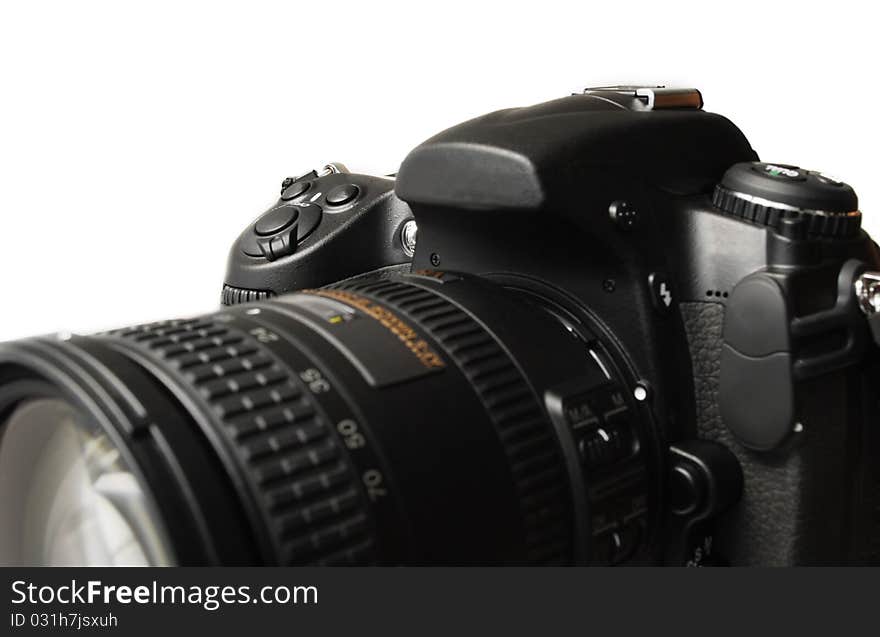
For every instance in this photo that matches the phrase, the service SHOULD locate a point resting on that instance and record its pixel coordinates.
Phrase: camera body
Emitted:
(735, 297)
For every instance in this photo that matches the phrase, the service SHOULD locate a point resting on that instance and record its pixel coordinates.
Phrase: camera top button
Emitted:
(341, 195)
(276, 220)
(295, 189)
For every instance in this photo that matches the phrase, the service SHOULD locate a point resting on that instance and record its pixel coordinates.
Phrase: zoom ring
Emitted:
(304, 486)
(533, 454)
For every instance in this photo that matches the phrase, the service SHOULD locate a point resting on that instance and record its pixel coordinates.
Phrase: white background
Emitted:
(137, 141)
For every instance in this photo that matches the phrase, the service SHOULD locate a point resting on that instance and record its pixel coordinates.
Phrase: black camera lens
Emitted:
(407, 420)
(69, 495)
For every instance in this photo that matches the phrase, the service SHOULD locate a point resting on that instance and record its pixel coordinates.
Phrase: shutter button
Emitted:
(276, 220)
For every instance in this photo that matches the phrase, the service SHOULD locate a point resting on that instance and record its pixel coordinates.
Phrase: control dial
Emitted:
(766, 194)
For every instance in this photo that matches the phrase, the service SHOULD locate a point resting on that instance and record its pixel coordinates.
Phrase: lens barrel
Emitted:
(419, 419)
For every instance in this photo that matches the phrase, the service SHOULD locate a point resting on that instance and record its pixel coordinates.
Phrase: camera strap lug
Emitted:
(767, 351)
(333, 168)
(867, 289)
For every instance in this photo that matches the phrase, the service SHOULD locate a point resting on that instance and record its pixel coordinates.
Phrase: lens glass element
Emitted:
(68, 495)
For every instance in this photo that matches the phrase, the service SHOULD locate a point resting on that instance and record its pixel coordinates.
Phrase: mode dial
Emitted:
(767, 193)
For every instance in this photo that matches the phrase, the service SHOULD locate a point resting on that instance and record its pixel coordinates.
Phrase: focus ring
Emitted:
(533, 454)
(306, 490)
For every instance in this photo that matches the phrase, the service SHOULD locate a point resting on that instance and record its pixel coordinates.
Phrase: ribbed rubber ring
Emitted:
(305, 487)
(233, 296)
(533, 454)
(820, 224)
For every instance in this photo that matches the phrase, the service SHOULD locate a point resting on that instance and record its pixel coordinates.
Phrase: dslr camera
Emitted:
(596, 330)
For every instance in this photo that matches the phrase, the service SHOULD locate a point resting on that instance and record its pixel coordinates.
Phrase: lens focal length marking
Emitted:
(391, 540)
(384, 348)
(393, 323)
